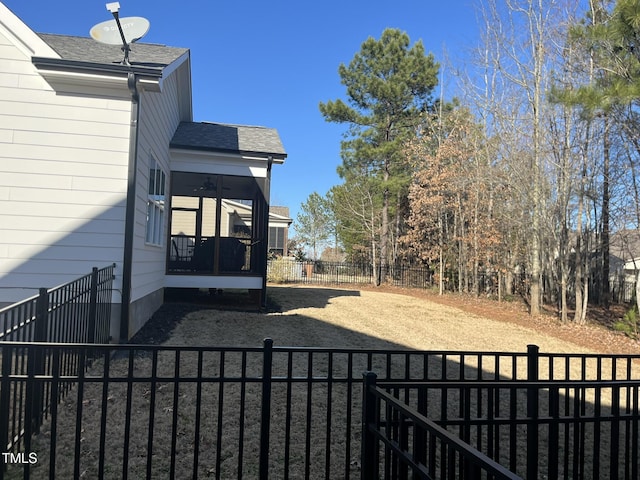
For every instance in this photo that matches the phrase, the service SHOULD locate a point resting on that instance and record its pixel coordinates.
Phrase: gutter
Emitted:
(62, 72)
(65, 65)
(129, 224)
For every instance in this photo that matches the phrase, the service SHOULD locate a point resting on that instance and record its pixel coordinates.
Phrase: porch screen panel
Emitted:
(222, 229)
(237, 233)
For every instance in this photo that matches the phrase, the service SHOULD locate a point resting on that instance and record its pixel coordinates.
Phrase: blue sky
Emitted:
(271, 63)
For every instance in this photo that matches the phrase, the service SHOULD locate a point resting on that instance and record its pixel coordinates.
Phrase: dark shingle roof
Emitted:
(282, 211)
(228, 138)
(85, 49)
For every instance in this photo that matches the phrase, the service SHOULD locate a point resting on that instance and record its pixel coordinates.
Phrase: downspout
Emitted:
(129, 224)
(265, 233)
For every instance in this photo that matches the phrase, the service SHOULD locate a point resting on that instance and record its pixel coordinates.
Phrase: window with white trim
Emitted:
(155, 204)
(276, 240)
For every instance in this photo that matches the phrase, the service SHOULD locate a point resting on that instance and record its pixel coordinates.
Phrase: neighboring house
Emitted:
(193, 221)
(279, 223)
(95, 159)
(624, 255)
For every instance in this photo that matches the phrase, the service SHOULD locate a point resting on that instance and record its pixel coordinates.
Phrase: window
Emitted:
(276, 240)
(155, 204)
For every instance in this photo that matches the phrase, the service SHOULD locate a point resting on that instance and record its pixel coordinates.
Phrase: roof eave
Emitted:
(89, 67)
(278, 157)
(73, 72)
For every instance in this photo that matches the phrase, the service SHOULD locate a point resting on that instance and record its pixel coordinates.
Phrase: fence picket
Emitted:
(311, 386)
(369, 457)
(5, 412)
(265, 419)
(67, 313)
(533, 375)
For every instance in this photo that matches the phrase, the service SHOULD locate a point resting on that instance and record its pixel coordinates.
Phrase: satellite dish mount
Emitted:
(124, 31)
(114, 8)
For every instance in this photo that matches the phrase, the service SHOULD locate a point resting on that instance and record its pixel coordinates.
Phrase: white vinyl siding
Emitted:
(63, 179)
(159, 118)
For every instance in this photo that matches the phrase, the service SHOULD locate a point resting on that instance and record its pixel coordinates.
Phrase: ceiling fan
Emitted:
(207, 186)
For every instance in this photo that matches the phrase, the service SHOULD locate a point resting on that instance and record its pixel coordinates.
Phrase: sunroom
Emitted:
(219, 206)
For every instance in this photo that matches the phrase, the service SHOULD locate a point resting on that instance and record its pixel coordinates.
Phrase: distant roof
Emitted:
(278, 210)
(625, 244)
(86, 49)
(219, 137)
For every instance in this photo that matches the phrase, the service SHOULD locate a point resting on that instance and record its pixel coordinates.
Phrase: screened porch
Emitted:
(218, 227)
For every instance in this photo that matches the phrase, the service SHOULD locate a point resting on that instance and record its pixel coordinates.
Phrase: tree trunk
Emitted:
(476, 248)
(508, 282)
(564, 313)
(577, 316)
(374, 252)
(441, 255)
(536, 104)
(585, 290)
(384, 230)
(398, 224)
(604, 277)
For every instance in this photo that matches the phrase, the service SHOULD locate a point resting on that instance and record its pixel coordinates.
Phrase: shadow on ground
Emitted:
(181, 302)
(315, 399)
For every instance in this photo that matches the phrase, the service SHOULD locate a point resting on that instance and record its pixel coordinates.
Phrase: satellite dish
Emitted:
(133, 28)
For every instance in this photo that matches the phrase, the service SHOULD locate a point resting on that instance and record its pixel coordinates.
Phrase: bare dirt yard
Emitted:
(380, 317)
(310, 412)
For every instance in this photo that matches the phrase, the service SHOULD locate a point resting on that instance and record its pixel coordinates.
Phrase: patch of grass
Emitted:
(629, 323)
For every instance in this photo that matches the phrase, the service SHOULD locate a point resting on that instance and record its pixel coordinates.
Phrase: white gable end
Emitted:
(22, 37)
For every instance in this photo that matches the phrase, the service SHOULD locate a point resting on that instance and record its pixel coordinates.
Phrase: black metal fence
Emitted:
(78, 311)
(284, 270)
(622, 291)
(413, 443)
(282, 412)
(535, 429)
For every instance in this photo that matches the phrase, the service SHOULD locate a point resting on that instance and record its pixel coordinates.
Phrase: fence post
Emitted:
(554, 432)
(5, 411)
(42, 314)
(419, 435)
(368, 458)
(265, 422)
(93, 305)
(36, 361)
(533, 375)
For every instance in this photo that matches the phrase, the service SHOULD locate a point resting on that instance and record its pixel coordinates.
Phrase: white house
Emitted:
(624, 255)
(96, 157)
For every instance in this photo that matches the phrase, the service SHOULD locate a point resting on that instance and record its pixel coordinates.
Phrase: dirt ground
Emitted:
(382, 317)
(597, 335)
(388, 318)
